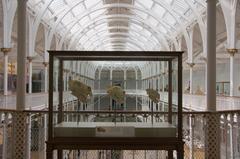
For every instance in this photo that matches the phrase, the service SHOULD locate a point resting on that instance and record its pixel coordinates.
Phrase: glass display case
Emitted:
(74, 121)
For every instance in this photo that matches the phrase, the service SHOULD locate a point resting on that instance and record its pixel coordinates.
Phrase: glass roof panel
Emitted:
(138, 27)
(153, 21)
(180, 6)
(96, 14)
(101, 26)
(163, 17)
(75, 29)
(140, 14)
(171, 20)
(68, 18)
(147, 3)
(55, 5)
(90, 3)
(84, 20)
(79, 9)
(159, 10)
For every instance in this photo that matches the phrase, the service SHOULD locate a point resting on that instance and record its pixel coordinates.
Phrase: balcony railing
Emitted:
(193, 130)
(190, 101)
(198, 102)
(35, 101)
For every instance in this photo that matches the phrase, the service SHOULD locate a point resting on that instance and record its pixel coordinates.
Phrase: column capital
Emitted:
(6, 50)
(232, 51)
(30, 58)
(191, 64)
(45, 64)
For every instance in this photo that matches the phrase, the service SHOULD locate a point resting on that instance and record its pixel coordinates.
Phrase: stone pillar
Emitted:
(29, 58)
(211, 55)
(45, 64)
(212, 135)
(21, 55)
(232, 82)
(5, 72)
(191, 65)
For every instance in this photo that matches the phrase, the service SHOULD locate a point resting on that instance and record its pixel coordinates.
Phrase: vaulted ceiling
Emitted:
(118, 24)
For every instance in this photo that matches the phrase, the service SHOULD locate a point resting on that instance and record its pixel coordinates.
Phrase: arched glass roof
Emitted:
(117, 24)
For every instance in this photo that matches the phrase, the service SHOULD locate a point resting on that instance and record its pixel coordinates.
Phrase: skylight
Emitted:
(137, 24)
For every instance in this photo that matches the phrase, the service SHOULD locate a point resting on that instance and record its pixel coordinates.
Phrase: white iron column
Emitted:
(56, 80)
(212, 120)
(29, 74)
(45, 64)
(67, 78)
(229, 9)
(111, 82)
(125, 87)
(163, 83)
(232, 137)
(190, 57)
(111, 85)
(99, 89)
(163, 78)
(64, 80)
(191, 65)
(125, 79)
(136, 78)
(5, 72)
(238, 131)
(232, 53)
(45, 131)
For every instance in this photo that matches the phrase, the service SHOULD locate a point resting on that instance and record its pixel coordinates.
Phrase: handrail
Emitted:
(120, 112)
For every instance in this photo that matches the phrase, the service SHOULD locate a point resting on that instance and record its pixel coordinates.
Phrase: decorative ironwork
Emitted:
(19, 134)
